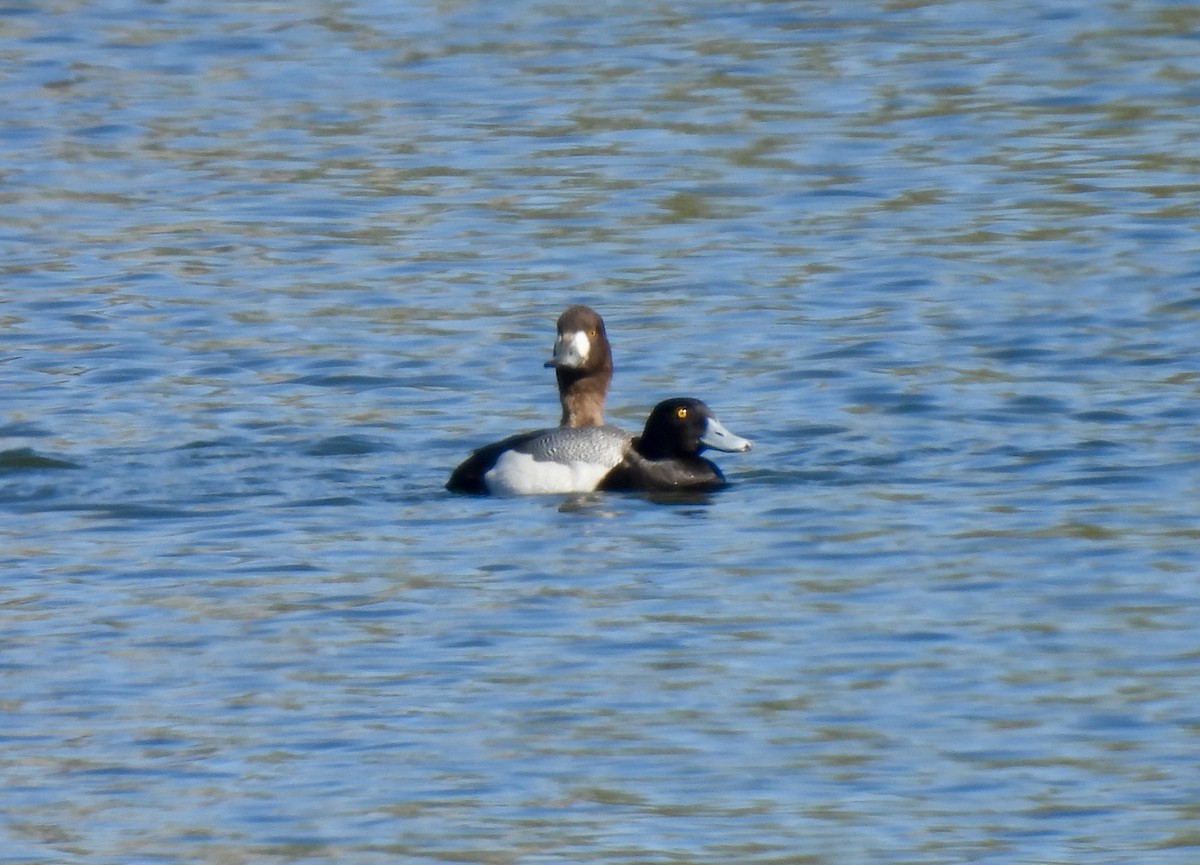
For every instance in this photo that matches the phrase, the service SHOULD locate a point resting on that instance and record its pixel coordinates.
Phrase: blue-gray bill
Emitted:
(717, 437)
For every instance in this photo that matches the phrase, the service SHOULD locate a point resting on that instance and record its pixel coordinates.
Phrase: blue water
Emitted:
(271, 270)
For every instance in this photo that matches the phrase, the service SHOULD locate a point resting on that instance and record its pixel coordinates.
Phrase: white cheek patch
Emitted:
(572, 349)
(518, 474)
(581, 345)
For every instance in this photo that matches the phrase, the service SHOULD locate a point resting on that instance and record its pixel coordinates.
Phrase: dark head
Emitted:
(683, 427)
(583, 365)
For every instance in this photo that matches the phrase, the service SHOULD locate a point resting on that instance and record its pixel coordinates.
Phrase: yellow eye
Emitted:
(681, 412)
(592, 333)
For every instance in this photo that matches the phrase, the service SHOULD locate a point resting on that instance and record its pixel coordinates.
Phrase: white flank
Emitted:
(517, 474)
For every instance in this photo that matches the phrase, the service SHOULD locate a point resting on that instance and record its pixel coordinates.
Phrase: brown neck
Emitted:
(582, 398)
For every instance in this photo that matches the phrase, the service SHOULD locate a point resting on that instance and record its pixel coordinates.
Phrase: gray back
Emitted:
(592, 444)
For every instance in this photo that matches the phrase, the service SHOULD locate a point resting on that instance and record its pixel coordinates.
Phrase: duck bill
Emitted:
(720, 439)
(570, 350)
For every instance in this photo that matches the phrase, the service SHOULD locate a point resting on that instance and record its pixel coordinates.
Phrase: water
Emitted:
(270, 270)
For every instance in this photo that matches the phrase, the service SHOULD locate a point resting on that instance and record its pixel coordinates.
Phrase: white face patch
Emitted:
(517, 474)
(572, 349)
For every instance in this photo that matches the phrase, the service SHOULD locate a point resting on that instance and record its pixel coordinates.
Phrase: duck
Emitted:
(664, 458)
(583, 366)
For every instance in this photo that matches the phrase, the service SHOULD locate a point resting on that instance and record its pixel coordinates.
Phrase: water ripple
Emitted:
(270, 272)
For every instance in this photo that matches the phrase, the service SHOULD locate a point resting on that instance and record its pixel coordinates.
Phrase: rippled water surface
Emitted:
(271, 269)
